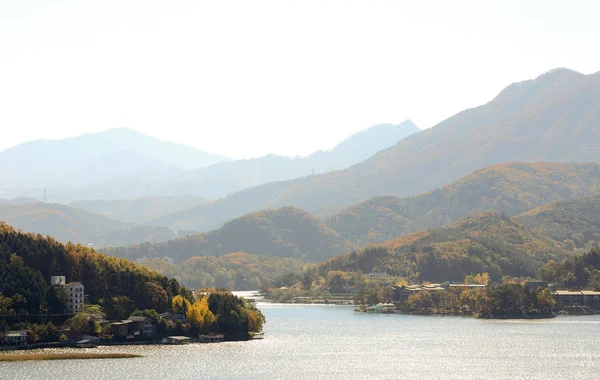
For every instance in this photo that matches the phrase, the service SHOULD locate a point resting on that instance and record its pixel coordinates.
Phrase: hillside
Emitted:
(512, 188)
(139, 210)
(235, 271)
(67, 224)
(285, 232)
(28, 261)
(553, 118)
(576, 223)
(486, 242)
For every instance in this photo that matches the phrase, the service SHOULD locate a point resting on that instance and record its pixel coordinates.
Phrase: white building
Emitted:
(76, 298)
(75, 290)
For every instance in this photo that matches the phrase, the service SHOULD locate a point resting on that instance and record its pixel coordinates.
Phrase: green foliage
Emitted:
(582, 271)
(575, 223)
(148, 313)
(285, 232)
(486, 242)
(57, 299)
(502, 301)
(235, 271)
(505, 188)
(233, 316)
(84, 323)
(28, 261)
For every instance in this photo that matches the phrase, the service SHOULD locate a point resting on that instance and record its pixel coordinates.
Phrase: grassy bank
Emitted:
(62, 356)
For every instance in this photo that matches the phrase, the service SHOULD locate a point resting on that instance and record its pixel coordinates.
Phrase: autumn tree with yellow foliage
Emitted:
(199, 315)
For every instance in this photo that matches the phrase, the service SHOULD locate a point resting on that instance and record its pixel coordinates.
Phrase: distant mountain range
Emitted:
(555, 117)
(225, 178)
(97, 157)
(125, 164)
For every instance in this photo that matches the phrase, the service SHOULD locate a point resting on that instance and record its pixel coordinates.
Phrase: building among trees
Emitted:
(75, 291)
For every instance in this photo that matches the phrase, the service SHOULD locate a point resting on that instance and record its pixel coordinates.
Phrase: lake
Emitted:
(333, 342)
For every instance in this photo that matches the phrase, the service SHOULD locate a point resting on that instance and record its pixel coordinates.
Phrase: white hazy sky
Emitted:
(247, 78)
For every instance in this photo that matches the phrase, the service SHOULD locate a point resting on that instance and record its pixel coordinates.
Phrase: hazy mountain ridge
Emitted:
(555, 117)
(68, 224)
(108, 155)
(133, 165)
(225, 178)
(139, 210)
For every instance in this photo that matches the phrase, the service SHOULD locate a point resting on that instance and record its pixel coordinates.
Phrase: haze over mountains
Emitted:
(97, 157)
(125, 164)
(555, 117)
(549, 124)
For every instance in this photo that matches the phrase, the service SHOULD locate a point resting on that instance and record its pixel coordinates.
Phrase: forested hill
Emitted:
(235, 271)
(285, 232)
(28, 261)
(512, 188)
(68, 224)
(576, 222)
(554, 117)
(486, 242)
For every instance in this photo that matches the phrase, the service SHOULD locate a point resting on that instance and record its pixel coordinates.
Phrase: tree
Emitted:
(480, 278)
(6, 309)
(180, 305)
(199, 315)
(82, 322)
(57, 299)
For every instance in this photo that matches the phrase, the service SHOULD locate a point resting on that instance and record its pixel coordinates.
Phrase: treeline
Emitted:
(487, 242)
(285, 232)
(582, 271)
(235, 271)
(28, 261)
(502, 301)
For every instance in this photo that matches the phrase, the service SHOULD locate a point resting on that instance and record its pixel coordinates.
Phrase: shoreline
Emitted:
(64, 356)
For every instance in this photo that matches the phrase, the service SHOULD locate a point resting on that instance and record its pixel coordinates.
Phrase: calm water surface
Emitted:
(333, 342)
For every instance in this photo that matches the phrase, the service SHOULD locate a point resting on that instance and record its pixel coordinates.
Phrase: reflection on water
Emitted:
(333, 342)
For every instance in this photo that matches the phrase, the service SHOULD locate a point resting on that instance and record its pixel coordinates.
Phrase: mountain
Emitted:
(512, 188)
(224, 178)
(285, 232)
(486, 242)
(553, 118)
(576, 223)
(69, 224)
(139, 210)
(97, 157)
